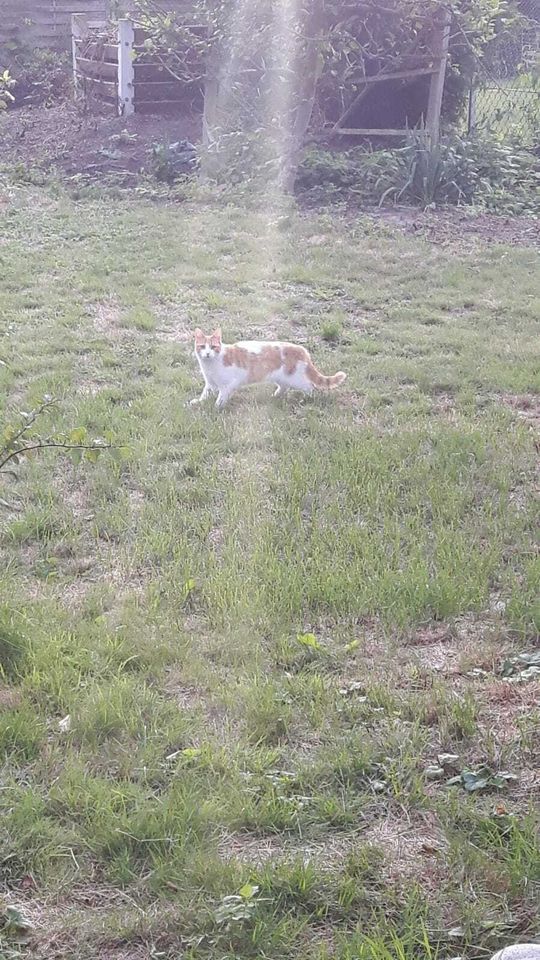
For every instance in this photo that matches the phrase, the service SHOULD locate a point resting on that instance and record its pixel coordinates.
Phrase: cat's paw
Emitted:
(195, 401)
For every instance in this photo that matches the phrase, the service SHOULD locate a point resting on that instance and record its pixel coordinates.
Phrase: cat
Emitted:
(227, 367)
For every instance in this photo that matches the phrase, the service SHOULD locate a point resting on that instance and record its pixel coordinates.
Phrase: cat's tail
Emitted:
(320, 382)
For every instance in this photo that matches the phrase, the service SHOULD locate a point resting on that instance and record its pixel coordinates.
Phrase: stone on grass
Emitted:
(519, 951)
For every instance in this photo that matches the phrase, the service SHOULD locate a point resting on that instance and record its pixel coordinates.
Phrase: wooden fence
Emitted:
(112, 65)
(47, 23)
(44, 23)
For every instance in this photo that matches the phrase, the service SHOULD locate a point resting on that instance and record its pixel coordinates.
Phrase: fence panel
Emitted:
(47, 23)
(505, 98)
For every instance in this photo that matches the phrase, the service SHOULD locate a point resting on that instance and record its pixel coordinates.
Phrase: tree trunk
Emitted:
(310, 72)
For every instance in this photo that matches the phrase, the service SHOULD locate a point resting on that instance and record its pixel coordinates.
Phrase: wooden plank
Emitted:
(97, 68)
(148, 72)
(399, 75)
(95, 89)
(110, 86)
(160, 83)
(367, 132)
(160, 103)
(107, 52)
(155, 92)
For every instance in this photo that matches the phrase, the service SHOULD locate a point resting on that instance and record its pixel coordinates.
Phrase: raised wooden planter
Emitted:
(112, 65)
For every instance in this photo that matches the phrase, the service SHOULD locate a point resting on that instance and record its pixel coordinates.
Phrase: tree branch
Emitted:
(57, 444)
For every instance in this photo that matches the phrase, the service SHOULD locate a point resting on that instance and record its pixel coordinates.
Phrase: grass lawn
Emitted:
(267, 625)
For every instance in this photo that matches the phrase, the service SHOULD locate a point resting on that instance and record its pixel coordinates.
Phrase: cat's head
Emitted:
(207, 347)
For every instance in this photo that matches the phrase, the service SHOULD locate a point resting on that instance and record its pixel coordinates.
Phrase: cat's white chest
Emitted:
(212, 370)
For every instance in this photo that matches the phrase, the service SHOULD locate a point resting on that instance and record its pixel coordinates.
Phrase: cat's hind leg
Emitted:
(298, 380)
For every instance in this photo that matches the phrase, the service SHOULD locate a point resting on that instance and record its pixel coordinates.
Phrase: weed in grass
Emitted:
(22, 733)
(331, 331)
(13, 644)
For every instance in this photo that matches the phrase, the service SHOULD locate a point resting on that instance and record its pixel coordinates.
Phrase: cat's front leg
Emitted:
(223, 396)
(204, 396)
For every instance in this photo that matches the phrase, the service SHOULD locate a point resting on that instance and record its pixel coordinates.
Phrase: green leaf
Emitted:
(481, 779)
(248, 891)
(501, 779)
(78, 435)
(308, 640)
(189, 587)
(7, 436)
(473, 782)
(13, 923)
(93, 454)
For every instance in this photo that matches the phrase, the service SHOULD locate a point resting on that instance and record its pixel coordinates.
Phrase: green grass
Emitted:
(265, 625)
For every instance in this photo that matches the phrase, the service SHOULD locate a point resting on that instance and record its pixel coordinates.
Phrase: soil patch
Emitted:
(67, 138)
(462, 227)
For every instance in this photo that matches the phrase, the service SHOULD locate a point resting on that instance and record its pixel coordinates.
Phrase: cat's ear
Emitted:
(199, 335)
(217, 334)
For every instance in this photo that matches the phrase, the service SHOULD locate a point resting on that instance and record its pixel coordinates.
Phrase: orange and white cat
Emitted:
(226, 368)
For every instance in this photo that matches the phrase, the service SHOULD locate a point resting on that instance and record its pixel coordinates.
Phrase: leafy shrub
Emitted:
(6, 82)
(506, 177)
(361, 173)
(173, 161)
(490, 174)
(40, 76)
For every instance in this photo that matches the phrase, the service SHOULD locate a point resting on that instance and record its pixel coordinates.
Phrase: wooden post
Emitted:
(79, 30)
(441, 36)
(126, 34)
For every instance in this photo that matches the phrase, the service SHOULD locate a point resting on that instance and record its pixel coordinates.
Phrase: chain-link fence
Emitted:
(505, 97)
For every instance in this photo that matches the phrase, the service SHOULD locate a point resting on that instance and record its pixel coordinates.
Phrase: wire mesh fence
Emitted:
(505, 96)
